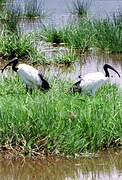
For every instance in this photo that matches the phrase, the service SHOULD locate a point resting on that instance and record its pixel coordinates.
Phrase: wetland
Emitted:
(58, 135)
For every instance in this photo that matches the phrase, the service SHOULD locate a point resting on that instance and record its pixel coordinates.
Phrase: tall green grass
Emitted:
(33, 9)
(80, 7)
(76, 35)
(10, 17)
(14, 44)
(84, 34)
(108, 35)
(58, 122)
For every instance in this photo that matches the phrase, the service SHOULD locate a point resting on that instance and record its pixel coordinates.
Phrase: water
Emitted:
(99, 166)
(90, 62)
(58, 12)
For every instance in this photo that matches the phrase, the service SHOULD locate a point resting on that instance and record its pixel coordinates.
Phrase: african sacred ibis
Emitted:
(31, 77)
(91, 81)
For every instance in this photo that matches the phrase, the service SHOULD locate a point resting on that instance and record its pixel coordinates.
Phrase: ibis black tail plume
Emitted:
(14, 62)
(106, 67)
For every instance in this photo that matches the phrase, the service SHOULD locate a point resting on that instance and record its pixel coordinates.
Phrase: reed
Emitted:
(10, 16)
(66, 56)
(58, 122)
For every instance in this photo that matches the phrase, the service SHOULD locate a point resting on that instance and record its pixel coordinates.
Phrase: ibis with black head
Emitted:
(90, 82)
(30, 76)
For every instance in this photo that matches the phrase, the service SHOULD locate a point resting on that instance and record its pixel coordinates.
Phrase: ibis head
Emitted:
(13, 62)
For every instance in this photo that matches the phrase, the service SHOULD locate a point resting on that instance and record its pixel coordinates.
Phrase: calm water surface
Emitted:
(90, 62)
(101, 166)
(58, 12)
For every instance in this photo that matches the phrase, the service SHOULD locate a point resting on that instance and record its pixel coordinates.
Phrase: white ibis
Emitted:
(91, 81)
(31, 77)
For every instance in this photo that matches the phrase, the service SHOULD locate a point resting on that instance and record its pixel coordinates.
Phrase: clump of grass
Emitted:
(108, 36)
(11, 20)
(86, 34)
(58, 122)
(14, 44)
(66, 56)
(1, 3)
(117, 18)
(51, 34)
(80, 7)
(10, 17)
(32, 9)
(76, 35)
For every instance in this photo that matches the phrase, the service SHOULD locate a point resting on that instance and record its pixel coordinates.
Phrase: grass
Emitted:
(108, 35)
(80, 7)
(10, 17)
(14, 44)
(66, 56)
(33, 10)
(117, 17)
(58, 122)
(50, 34)
(73, 35)
(87, 34)
(11, 14)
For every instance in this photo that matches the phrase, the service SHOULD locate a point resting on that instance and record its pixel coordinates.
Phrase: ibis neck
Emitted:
(106, 71)
(14, 67)
(106, 66)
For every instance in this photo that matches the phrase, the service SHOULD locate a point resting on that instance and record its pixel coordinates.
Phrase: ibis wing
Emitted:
(29, 75)
(92, 81)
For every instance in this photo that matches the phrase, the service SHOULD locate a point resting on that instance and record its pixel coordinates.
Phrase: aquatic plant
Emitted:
(33, 9)
(66, 56)
(86, 34)
(117, 18)
(58, 122)
(10, 16)
(80, 7)
(51, 34)
(107, 36)
(14, 44)
(76, 35)
(1, 3)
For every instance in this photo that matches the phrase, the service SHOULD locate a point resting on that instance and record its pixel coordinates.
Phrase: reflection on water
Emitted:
(104, 166)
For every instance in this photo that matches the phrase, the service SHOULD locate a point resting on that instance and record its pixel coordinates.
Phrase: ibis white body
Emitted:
(29, 75)
(92, 81)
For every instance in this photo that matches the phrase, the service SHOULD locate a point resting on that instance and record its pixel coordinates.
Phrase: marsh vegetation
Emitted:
(58, 122)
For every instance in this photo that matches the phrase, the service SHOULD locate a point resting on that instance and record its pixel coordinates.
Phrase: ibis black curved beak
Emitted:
(106, 67)
(13, 61)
